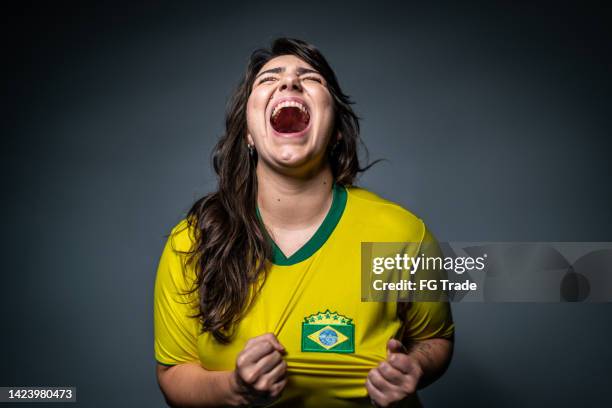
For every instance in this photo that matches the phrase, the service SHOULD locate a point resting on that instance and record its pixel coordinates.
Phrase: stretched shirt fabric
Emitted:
(311, 301)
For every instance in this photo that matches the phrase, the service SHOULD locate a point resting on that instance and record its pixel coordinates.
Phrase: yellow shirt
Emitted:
(311, 301)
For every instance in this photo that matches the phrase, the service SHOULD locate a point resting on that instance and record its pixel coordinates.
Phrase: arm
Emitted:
(404, 371)
(260, 370)
(190, 385)
(183, 382)
(433, 356)
(259, 378)
(428, 329)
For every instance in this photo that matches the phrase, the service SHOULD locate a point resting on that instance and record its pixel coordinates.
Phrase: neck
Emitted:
(292, 202)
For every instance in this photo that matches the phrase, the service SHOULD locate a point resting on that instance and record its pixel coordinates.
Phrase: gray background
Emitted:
(495, 120)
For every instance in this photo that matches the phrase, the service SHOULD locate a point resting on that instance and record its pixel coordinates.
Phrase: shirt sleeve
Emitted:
(429, 319)
(176, 332)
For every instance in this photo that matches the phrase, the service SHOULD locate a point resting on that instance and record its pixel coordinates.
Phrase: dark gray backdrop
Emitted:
(494, 119)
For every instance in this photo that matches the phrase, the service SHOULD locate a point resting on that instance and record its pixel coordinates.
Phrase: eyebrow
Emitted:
(300, 71)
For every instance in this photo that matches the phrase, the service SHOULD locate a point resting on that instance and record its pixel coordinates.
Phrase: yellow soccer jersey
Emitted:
(311, 301)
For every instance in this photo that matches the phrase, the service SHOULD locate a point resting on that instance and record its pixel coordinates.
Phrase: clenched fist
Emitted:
(261, 372)
(394, 379)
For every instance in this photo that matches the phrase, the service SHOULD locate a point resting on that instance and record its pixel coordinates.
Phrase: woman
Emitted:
(257, 297)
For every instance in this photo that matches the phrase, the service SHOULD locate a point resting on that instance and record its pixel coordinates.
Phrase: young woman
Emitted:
(257, 296)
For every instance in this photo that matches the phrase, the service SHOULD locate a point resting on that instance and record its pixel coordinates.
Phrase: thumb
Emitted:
(395, 346)
(277, 345)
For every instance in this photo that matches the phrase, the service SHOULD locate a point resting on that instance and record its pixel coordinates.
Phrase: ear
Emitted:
(250, 139)
(338, 137)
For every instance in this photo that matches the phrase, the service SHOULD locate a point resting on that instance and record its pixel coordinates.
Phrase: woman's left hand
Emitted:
(394, 379)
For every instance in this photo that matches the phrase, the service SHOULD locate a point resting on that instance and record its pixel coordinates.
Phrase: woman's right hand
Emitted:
(261, 372)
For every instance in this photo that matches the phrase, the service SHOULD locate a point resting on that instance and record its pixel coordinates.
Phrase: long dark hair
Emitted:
(231, 248)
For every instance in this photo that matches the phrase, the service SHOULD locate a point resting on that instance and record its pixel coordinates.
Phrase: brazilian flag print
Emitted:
(328, 332)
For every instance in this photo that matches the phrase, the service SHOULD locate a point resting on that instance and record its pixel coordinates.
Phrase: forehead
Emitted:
(289, 62)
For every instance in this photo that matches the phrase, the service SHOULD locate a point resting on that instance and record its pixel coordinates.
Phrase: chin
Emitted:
(291, 160)
(297, 164)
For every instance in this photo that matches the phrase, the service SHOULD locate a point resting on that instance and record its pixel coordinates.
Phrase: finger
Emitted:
(395, 346)
(272, 339)
(376, 395)
(278, 387)
(251, 373)
(392, 393)
(407, 383)
(280, 384)
(265, 381)
(269, 337)
(391, 374)
(268, 362)
(246, 363)
(411, 372)
(380, 383)
(402, 362)
(254, 352)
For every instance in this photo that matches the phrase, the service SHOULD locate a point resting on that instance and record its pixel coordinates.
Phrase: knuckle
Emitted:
(410, 385)
(240, 360)
(276, 357)
(250, 376)
(396, 396)
(418, 370)
(262, 385)
(383, 402)
(278, 388)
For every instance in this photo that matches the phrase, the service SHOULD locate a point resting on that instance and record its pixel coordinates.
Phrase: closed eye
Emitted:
(266, 79)
(314, 79)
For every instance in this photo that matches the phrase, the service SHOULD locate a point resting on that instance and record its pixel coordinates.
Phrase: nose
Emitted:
(290, 82)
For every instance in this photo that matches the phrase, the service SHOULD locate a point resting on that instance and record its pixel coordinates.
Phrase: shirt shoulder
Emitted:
(375, 212)
(177, 256)
(182, 237)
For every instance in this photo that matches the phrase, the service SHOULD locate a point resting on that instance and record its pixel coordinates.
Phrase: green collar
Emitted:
(319, 238)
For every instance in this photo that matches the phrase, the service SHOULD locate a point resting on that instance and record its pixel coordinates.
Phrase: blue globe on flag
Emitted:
(328, 337)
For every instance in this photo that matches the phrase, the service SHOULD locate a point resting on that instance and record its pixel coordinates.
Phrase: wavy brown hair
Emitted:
(231, 247)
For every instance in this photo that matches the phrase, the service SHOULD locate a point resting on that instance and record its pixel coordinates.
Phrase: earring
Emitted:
(251, 149)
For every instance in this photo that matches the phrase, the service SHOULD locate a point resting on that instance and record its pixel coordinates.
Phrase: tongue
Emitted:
(289, 120)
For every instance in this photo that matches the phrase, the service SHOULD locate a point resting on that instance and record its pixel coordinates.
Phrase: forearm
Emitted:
(190, 385)
(434, 356)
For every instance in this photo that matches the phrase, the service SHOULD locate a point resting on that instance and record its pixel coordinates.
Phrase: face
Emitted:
(290, 114)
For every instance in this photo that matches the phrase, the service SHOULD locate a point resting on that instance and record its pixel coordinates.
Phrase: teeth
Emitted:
(286, 104)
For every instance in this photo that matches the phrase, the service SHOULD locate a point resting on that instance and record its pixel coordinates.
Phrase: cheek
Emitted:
(327, 109)
(325, 101)
(256, 107)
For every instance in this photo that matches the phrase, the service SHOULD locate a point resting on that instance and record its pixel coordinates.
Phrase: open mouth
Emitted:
(290, 117)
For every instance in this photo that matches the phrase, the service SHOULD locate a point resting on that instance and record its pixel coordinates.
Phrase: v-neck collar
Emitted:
(320, 236)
